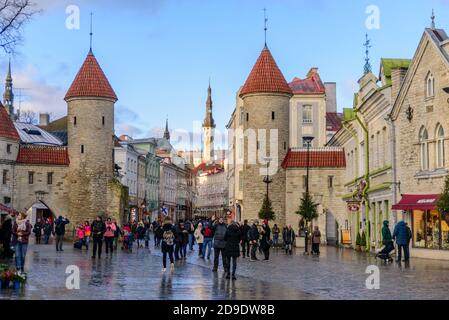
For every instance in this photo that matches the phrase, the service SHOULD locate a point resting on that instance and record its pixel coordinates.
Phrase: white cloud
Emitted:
(36, 94)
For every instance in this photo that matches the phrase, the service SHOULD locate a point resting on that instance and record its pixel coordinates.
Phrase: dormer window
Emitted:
(430, 86)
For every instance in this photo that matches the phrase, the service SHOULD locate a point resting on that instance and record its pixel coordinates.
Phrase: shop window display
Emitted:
(433, 230)
(429, 231)
(418, 229)
(444, 235)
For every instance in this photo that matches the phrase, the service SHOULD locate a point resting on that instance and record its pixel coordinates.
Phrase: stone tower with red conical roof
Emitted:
(90, 125)
(266, 96)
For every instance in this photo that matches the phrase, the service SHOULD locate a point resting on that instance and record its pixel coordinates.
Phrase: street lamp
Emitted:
(267, 180)
(308, 141)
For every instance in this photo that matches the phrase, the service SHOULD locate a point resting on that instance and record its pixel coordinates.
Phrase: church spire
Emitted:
(167, 132)
(209, 119)
(8, 96)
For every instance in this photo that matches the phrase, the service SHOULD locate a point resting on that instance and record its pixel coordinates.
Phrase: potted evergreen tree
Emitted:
(443, 202)
(358, 242)
(363, 242)
(266, 212)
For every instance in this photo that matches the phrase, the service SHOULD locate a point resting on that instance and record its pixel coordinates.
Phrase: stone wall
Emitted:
(91, 171)
(259, 109)
(329, 199)
(428, 113)
(118, 200)
(54, 196)
(7, 162)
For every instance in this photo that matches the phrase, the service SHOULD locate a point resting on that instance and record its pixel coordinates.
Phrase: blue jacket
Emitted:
(400, 234)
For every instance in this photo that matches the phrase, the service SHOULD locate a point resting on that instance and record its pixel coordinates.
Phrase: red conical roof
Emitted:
(91, 81)
(265, 77)
(7, 128)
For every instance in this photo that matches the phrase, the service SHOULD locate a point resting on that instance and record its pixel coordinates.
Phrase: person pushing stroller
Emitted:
(387, 241)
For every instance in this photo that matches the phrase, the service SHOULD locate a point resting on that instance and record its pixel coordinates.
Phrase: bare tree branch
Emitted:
(28, 116)
(14, 14)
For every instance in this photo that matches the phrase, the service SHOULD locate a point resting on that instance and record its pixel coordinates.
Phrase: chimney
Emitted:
(44, 119)
(397, 78)
(331, 96)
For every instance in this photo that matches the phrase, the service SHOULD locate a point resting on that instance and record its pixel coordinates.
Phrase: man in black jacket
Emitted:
(288, 237)
(244, 229)
(60, 224)
(219, 244)
(254, 239)
(98, 229)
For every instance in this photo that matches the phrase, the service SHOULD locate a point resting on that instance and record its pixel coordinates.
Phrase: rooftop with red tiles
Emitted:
(310, 85)
(265, 77)
(91, 82)
(43, 155)
(208, 168)
(333, 121)
(7, 129)
(318, 158)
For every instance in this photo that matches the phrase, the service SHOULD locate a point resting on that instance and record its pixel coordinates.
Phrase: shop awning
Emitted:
(417, 202)
(8, 210)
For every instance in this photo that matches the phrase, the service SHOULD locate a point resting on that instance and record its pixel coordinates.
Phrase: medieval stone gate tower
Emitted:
(90, 125)
(266, 97)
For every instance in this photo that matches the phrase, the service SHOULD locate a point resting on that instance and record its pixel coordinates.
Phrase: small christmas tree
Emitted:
(363, 240)
(307, 209)
(266, 212)
(358, 241)
(443, 201)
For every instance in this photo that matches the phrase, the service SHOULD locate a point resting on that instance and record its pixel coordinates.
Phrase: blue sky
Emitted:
(159, 55)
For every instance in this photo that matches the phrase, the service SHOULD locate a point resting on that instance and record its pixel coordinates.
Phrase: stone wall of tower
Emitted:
(258, 115)
(90, 172)
(208, 144)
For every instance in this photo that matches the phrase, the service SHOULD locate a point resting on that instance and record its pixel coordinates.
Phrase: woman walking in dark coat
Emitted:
(232, 248)
(265, 243)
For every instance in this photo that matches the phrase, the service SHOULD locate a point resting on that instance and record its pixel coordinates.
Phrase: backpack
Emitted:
(208, 232)
(59, 229)
(168, 237)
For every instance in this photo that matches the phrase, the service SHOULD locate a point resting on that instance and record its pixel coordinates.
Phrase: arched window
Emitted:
(430, 86)
(440, 146)
(424, 145)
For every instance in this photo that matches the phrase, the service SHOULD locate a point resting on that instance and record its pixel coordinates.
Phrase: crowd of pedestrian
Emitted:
(227, 241)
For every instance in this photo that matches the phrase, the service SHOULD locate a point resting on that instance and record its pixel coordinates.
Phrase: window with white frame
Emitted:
(424, 146)
(307, 114)
(430, 86)
(440, 146)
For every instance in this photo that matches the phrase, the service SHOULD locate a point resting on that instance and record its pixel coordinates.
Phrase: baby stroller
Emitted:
(384, 254)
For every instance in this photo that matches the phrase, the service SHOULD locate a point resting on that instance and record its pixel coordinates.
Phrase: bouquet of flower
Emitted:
(19, 277)
(6, 276)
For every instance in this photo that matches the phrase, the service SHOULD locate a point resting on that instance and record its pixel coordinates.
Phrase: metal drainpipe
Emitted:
(354, 135)
(365, 190)
(393, 166)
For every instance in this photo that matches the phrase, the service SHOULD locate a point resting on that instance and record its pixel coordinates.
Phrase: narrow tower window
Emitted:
(50, 178)
(102, 120)
(82, 148)
(74, 121)
(30, 177)
(272, 115)
(247, 117)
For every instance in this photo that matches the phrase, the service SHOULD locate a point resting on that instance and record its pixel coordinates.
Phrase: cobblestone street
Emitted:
(337, 274)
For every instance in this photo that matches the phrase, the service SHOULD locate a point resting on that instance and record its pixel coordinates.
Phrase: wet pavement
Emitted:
(336, 274)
